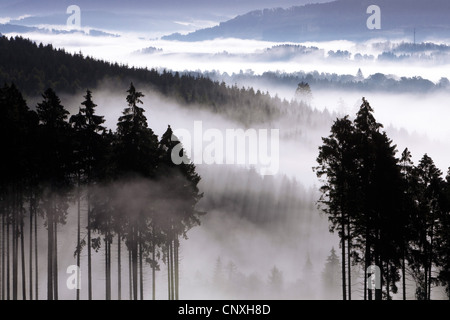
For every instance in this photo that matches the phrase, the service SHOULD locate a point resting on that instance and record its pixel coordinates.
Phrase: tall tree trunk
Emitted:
(107, 268)
(169, 286)
(344, 281)
(378, 262)
(89, 245)
(55, 260)
(177, 246)
(367, 263)
(430, 265)
(78, 237)
(387, 281)
(172, 284)
(135, 262)
(349, 261)
(153, 264)
(429, 276)
(130, 273)
(3, 255)
(404, 274)
(36, 256)
(425, 293)
(50, 250)
(141, 278)
(22, 253)
(119, 268)
(8, 263)
(31, 247)
(15, 237)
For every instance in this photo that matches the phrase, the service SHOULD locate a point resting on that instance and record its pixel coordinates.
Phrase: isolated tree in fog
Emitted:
(331, 276)
(55, 168)
(303, 92)
(275, 280)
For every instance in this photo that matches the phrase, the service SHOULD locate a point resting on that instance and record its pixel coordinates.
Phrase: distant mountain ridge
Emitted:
(13, 28)
(337, 20)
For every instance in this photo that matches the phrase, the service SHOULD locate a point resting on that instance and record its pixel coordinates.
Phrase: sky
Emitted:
(155, 17)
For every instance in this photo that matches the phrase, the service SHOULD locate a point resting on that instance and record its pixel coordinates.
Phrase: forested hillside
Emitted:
(34, 68)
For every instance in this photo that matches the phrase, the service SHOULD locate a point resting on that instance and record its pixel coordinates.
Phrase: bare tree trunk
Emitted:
(404, 274)
(119, 268)
(107, 267)
(367, 293)
(141, 279)
(430, 262)
(15, 256)
(169, 286)
(153, 263)
(426, 274)
(387, 280)
(3, 255)
(349, 262)
(78, 236)
(22, 253)
(89, 245)
(172, 287)
(8, 263)
(135, 262)
(31, 246)
(344, 281)
(36, 257)
(130, 275)
(50, 246)
(55, 259)
(177, 246)
(378, 262)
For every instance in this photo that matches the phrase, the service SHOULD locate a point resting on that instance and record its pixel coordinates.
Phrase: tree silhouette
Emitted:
(331, 276)
(275, 281)
(181, 195)
(55, 169)
(364, 196)
(89, 149)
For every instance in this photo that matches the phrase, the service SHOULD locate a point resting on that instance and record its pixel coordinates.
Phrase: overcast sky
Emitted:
(136, 15)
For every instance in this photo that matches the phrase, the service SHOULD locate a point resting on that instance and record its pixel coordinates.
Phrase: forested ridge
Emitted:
(35, 67)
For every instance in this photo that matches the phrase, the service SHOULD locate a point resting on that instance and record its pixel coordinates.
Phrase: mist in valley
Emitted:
(262, 237)
(256, 225)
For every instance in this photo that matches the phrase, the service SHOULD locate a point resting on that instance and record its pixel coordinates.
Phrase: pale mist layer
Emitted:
(247, 231)
(249, 247)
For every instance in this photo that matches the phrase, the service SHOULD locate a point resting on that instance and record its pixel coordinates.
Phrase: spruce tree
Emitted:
(55, 173)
